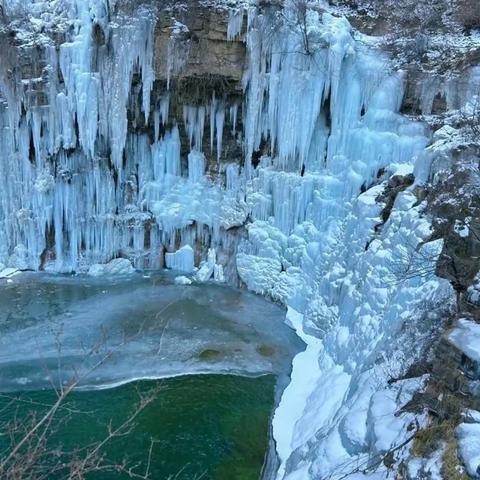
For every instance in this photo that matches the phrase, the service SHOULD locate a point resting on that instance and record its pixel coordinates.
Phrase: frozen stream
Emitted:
(55, 327)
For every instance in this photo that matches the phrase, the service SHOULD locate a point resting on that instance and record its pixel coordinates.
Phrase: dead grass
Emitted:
(441, 433)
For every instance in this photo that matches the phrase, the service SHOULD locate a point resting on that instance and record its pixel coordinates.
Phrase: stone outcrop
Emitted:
(195, 62)
(200, 34)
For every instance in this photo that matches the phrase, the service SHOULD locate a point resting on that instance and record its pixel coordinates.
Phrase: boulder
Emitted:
(118, 266)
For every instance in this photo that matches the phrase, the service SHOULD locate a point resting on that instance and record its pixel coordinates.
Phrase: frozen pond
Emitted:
(109, 332)
(131, 334)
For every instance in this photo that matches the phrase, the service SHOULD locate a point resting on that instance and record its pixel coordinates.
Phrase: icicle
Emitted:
(233, 118)
(194, 121)
(235, 24)
(156, 125)
(213, 109)
(196, 166)
(164, 108)
(219, 124)
(232, 176)
(166, 156)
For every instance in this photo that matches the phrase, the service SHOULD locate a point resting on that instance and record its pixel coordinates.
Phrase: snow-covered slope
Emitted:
(323, 142)
(323, 248)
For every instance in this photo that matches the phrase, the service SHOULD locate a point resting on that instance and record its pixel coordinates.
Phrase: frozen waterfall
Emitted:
(93, 169)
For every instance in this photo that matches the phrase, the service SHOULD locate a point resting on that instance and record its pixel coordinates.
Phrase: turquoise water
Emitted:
(203, 426)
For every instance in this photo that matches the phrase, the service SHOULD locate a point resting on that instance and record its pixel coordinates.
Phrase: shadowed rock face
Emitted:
(195, 62)
(204, 42)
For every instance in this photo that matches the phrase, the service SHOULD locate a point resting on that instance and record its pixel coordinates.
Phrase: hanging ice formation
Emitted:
(82, 184)
(300, 221)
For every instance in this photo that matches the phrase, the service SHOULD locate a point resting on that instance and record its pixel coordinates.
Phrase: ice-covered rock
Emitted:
(471, 416)
(466, 337)
(8, 272)
(116, 267)
(260, 274)
(446, 132)
(205, 272)
(19, 259)
(96, 270)
(182, 260)
(181, 280)
(473, 292)
(218, 274)
(207, 268)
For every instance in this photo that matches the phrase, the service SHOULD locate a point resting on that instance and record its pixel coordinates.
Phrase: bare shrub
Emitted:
(467, 13)
(33, 453)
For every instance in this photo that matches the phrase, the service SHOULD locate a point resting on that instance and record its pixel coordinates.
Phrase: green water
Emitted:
(206, 426)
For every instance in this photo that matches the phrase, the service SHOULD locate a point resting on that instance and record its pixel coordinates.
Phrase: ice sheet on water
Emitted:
(145, 329)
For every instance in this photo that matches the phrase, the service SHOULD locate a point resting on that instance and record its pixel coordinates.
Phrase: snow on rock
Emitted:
(471, 416)
(473, 292)
(430, 466)
(116, 267)
(446, 132)
(387, 427)
(181, 280)
(462, 228)
(468, 435)
(182, 260)
(466, 337)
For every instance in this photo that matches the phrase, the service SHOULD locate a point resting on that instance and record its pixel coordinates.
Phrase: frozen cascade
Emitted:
(182, 260)
(82, 188)
(82, 124)
(302, 220)
(196, 166)
(313, 243)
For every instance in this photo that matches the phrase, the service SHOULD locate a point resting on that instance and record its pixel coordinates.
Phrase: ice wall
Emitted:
(64, 124)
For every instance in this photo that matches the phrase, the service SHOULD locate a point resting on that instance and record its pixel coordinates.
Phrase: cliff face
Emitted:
(323, 167)
(200, 36)
(199, 59)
